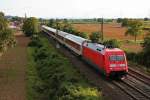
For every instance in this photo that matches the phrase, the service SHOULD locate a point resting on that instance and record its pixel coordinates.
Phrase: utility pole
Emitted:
(102, 22)
(25, 16)
(56, 26)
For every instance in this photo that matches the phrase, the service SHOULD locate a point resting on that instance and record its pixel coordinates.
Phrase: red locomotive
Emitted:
(110, 61)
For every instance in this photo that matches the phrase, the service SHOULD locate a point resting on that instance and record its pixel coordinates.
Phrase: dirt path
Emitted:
(12, 71)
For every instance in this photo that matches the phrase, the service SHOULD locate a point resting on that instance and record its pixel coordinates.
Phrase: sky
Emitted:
(77, 8)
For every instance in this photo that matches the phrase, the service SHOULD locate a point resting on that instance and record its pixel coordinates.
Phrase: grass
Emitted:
(31, 75)
(131, 46)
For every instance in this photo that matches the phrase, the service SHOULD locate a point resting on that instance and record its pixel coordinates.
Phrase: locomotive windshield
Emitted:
(116, 58)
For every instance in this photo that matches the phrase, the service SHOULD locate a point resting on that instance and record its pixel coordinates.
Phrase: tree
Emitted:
(2, 14)
(146, 43)
(124, 22)
(72, 30)
(66, 25)
(51, 23)
(146, 51)
(146, 19)
(119, 20)
(3, 21)
(58, 24)
(112, 43)
(99, 19)
(30, 26)
(134, 28)
(6, 39)
(6, 35)
(95, 36)
(83, 35)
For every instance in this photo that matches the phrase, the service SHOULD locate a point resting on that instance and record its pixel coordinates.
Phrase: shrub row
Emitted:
(54, 77)
(141, 58)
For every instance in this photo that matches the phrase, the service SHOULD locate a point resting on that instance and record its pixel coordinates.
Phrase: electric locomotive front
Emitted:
(110, 61)
(116, 63)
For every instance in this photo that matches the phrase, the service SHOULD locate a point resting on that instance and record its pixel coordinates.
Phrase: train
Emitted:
(111, 62)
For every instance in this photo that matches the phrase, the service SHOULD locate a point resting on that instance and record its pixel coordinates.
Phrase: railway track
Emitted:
(139, 76)
(131, 90)
(135, 85)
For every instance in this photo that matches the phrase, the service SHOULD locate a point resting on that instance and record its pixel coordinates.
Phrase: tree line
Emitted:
(134, 28)
(30, 27)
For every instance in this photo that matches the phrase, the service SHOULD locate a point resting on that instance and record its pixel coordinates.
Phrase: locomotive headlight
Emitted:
(112, 65)
(122, 65)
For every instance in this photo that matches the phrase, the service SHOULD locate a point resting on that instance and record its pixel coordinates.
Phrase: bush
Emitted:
(83, 35)
(35, 43)
(146, 43)
(124, 22)
(119, 20)
(95, 37)
(112, 43)
(30, 26)
(141, 58)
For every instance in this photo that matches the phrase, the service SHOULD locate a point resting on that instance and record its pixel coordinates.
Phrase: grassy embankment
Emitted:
(52, 77)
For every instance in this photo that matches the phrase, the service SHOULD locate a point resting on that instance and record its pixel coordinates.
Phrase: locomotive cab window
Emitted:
(120, 58)
(116, 58)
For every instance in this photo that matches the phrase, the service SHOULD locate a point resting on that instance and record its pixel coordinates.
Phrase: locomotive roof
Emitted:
(101, 48)
(113, 49)
(76, 39)
(96, 46)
